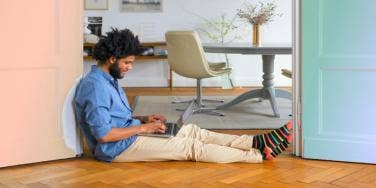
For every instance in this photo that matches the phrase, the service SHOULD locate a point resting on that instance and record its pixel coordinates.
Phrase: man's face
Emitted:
(119, 68)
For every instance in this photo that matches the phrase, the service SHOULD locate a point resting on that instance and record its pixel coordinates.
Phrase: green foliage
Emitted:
(219, 29)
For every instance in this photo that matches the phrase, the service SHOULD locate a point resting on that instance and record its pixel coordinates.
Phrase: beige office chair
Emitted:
(186, 57)
(287, 73)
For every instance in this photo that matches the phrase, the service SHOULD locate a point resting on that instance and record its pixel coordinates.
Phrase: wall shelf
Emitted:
(87, 47)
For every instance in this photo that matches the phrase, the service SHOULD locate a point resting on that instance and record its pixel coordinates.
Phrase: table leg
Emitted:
(245, 96)
(279, 93)
(271, 96)
(267, 91)
(268, 83)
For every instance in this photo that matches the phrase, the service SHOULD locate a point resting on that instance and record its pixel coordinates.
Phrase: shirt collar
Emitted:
(106, 76)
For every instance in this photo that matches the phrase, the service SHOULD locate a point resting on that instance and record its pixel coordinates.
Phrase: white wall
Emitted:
(179, 14)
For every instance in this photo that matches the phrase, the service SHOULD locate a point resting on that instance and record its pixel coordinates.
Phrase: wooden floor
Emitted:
(285, 171)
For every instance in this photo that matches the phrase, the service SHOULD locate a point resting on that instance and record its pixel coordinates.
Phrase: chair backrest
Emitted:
(72, 135)
(186, 56)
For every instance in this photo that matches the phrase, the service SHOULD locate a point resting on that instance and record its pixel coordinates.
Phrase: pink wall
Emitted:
(41, 44)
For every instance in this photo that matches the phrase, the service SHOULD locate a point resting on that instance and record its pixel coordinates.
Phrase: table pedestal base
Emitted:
(266, 92)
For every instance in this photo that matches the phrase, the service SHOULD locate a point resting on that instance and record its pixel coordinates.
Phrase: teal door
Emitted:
(339, 80)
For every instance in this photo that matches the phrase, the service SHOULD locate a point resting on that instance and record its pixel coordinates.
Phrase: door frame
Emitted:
(296, 77)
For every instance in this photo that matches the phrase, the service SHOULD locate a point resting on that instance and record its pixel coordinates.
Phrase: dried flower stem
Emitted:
(259, 13)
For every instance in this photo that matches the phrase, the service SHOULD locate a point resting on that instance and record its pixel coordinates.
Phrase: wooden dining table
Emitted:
(268, 53)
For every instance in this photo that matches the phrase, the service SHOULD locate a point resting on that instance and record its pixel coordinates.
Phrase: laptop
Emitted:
(172, 128)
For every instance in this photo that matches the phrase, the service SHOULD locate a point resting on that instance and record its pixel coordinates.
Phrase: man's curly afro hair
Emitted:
(117, 43)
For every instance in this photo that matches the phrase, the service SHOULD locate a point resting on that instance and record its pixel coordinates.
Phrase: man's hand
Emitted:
(153, 127)
(156, 118)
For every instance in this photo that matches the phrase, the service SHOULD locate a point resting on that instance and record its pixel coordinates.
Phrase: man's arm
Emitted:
(143, 119)
(116, 134)
(151, 118)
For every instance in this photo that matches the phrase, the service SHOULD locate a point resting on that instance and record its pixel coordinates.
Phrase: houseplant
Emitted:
(221, 30)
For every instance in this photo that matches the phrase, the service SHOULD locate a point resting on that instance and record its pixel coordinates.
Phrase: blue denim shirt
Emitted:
(99, 106)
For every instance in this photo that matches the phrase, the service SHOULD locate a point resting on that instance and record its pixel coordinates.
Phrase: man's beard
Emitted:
(115, 71)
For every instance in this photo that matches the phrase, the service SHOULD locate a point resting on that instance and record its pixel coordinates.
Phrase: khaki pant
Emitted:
(195, 144)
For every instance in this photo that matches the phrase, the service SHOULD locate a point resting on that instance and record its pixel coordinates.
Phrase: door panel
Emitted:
(338, 74)
(41, 44)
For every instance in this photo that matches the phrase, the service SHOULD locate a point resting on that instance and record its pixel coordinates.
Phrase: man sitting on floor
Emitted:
(111, 132)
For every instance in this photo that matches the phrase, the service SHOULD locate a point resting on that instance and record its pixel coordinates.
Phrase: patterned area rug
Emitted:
(249, 114)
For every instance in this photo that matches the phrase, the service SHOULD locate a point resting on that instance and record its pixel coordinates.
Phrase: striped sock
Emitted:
(280, 148)
(274, 138)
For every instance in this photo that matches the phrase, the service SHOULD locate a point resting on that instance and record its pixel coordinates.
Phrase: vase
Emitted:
(256, 34)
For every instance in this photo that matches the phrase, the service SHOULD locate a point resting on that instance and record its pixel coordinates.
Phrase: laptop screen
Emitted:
(187, 113)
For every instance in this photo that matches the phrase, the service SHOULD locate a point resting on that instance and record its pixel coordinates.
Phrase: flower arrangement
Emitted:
(258, 14)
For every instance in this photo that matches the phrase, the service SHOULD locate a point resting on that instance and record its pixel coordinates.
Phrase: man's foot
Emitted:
(280, 148)
(273, 138)
(276, 140)
(271, 153)
(267, 154)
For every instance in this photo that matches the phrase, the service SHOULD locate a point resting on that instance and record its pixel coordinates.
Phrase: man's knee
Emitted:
(190, 148)
(189, 130)
(192, 127)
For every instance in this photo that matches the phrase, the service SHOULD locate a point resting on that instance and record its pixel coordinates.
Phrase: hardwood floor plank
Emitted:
(338, 175)
(355, 184)
(242, 175)
(50, 175)
(149, 175)
(93, 177)
(319, 175)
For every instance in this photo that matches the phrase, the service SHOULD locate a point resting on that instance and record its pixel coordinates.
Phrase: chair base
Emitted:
(204, 100)
(201, 109)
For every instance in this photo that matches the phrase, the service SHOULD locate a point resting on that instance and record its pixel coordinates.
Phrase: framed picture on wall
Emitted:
(141, 5)
(96, 5)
